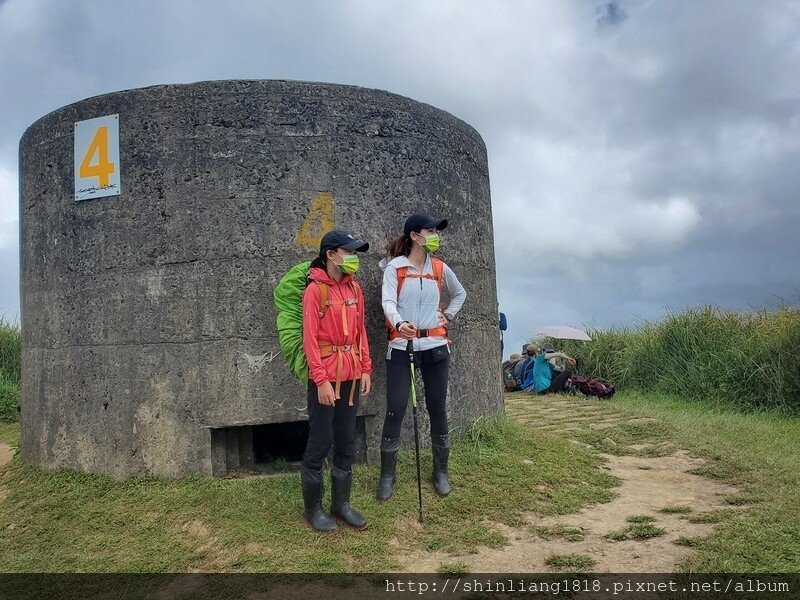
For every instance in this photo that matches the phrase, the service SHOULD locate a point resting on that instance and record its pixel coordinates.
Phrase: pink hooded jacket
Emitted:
(330, 329)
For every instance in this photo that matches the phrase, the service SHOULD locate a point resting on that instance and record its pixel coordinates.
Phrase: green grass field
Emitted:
(253, 524)
(502, 469)
(722, 363)
(759, 453)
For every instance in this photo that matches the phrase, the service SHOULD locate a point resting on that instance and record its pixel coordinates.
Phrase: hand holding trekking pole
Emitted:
(410, 350)
(407, 330)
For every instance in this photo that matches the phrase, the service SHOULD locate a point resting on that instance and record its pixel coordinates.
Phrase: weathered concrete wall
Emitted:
(148, 321)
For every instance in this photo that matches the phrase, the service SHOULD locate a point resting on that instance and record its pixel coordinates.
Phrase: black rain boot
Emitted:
(440, 447)
(313, 490)
(341, 484)
(389, 448)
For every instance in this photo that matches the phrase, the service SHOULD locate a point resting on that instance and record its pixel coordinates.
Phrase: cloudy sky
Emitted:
(644, 155)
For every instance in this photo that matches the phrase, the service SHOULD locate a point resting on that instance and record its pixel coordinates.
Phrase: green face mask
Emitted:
(350, 263)
(432, 243)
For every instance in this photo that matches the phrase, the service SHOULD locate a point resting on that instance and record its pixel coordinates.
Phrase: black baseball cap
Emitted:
(339, 238)
(419, 221)
(548, 347)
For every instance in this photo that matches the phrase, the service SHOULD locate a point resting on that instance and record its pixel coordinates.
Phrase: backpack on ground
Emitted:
(288, 296)
(592, 387)
(509, 382)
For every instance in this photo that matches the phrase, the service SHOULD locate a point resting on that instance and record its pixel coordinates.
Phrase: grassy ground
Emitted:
(253, 524)
(502, 469)
(760, 454)
(9, 434)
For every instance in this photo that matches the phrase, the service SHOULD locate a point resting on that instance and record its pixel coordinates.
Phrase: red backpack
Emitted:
(592, 387)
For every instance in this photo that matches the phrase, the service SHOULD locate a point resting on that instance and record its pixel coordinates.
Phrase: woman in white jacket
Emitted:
(411, 299)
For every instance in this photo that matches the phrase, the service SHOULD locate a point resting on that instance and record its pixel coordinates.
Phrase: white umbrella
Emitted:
(561, 332)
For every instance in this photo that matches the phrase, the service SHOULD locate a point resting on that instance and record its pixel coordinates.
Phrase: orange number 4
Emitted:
(103, 168)
(318, 222)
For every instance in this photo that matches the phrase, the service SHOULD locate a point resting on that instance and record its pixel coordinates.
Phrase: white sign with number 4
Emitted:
(97, 158)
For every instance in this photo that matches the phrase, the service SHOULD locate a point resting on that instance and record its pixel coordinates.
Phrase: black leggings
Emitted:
(435, 367)
(331, 426)
(558, 382)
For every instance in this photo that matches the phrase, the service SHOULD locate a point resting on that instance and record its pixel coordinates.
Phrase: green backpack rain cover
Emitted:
(288, 296)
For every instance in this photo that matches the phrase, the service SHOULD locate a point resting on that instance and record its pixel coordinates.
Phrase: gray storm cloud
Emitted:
(642, 154)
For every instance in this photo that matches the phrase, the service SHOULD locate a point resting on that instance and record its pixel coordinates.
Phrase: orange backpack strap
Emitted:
(401, 278)
(324, 302)
(345, 304)
(355, 288)
(326, 348)
(438, 272)
(438, 275)
(357, 298)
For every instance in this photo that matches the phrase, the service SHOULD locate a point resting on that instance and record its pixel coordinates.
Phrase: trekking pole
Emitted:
(410, 350)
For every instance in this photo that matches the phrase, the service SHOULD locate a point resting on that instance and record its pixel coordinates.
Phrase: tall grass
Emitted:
(749, 360)
(10, 358)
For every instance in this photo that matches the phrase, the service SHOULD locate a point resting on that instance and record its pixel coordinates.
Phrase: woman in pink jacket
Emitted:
(339, 372)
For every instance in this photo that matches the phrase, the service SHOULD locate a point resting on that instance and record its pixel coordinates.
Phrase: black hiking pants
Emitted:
(558, 382)
(434, 364)
(331, 427)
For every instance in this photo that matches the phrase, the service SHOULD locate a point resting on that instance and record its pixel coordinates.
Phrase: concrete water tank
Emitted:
(148, 327)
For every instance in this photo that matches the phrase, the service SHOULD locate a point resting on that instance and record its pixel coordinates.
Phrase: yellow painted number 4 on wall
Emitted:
(318, 222)
(97, 166)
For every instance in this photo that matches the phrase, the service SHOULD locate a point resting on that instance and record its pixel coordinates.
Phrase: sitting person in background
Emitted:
(523, 364)
(550, 349)
(510, 382)
(543, 378)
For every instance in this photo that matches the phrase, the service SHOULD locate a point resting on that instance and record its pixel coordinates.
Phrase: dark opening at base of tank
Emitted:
(281, 444)
(269, 448)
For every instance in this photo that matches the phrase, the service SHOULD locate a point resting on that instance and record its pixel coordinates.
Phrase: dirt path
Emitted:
(6, 454)
(653, 474)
